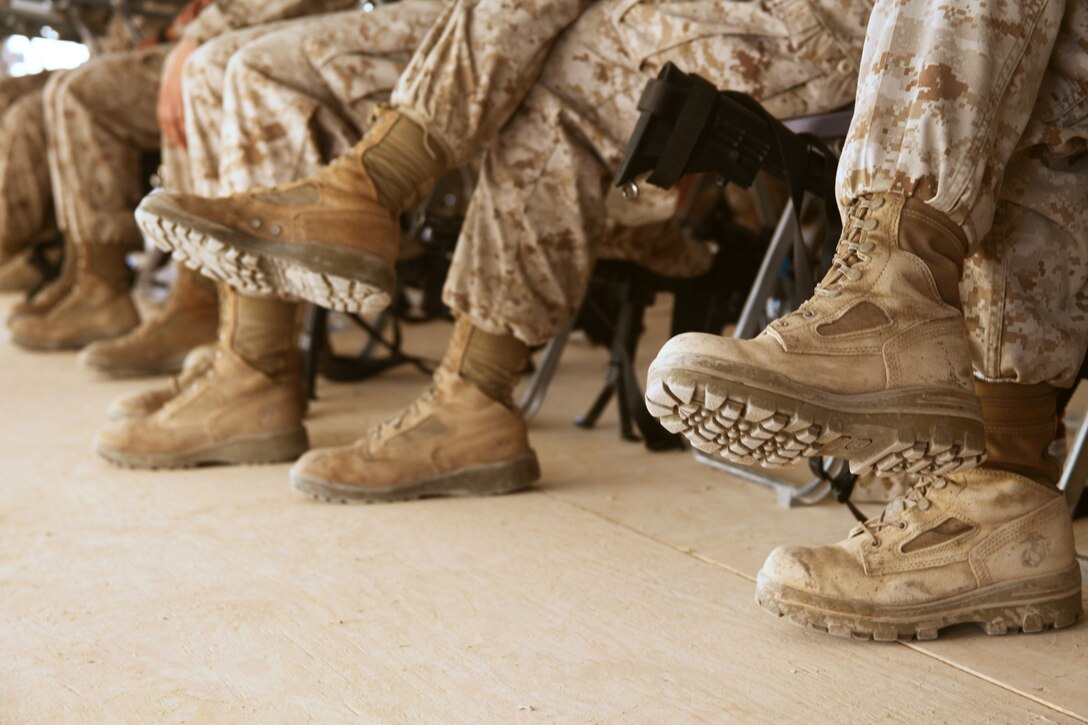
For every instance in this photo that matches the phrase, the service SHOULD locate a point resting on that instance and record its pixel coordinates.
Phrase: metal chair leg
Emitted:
(1076, 468)
(542, 379)
(780, 246)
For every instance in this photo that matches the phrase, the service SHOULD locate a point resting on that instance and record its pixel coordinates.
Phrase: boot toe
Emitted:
(114, 440)
(23, 325)
(789, 566)
(120, 435)
(138, 405)
(322, 465)
(98, 355)
(690, 342)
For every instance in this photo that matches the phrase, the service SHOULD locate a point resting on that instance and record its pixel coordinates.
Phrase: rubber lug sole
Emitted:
(227, 256)
(752, 426)
(273, 448)
(65, 345)
(1030, 607)
(492, 479)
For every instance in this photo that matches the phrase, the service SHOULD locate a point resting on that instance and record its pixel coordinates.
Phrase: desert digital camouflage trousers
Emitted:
(273, 104)
(101, 120)
(26, 197)
(981, 110)
(549, 90)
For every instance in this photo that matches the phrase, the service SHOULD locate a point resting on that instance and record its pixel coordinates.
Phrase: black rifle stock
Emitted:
(688, 126)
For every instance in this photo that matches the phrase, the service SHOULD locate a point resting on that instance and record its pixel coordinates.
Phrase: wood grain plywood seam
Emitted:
(1005, 686)
(679, 549)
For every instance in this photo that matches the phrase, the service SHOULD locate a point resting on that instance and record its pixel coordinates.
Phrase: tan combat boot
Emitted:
(987, 546)
(18, 274)
(246, 409)
(54, 292)
(870, 488)
(98, 306)
(189, 319)
(331, 239)
(874, 368)
(1021, 423)
(146, 402)
(455, 440)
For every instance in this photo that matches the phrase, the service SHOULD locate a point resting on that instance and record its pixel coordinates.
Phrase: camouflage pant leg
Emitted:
(1026, 289)
(101, 117)
(15, 87)
(297, 98)
(205, 77)
(532, 231)
(26, 195)
(175, 169)
(475, 66)
(54, 88)
(945, 95)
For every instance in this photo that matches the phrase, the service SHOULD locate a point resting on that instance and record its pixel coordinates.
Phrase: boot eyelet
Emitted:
(256, 224)
(902, 525)
(875, 544)
(808, 314)
(275, 229)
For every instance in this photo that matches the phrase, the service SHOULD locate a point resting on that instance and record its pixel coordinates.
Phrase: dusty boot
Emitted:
(986, 546)
(460, 438)
(189, 319)
(1021, 423)
(331, 239)
(144, 403)
(246, 409)
(874, 368)
(18, 274)
(869, 488)
(98, 306)
(53, 293)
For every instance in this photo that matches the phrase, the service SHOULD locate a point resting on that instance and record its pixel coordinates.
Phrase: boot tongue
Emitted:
(390, 428)
(915, 497)
(937, 241)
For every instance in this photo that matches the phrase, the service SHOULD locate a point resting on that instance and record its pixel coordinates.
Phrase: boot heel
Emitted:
(1031, 618)
(275, 448)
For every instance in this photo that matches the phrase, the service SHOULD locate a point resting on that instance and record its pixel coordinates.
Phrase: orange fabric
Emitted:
(185, 16)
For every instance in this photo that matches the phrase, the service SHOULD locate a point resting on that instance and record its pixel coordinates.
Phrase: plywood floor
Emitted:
(620, 591)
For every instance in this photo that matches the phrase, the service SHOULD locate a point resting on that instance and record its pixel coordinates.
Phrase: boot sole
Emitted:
(65, 345)
(916, 431)
(1026, 606)
(262, 267)
(272, 448)
(166, 366)
(492, 479)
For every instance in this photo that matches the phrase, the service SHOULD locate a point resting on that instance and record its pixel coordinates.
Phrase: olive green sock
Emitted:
(403, 162)
(1020, 423)
(263, 331)
(493, 363)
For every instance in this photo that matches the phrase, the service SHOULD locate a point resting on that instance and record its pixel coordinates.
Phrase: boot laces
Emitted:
(394, 424)
(917, 496)
(852, 250)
